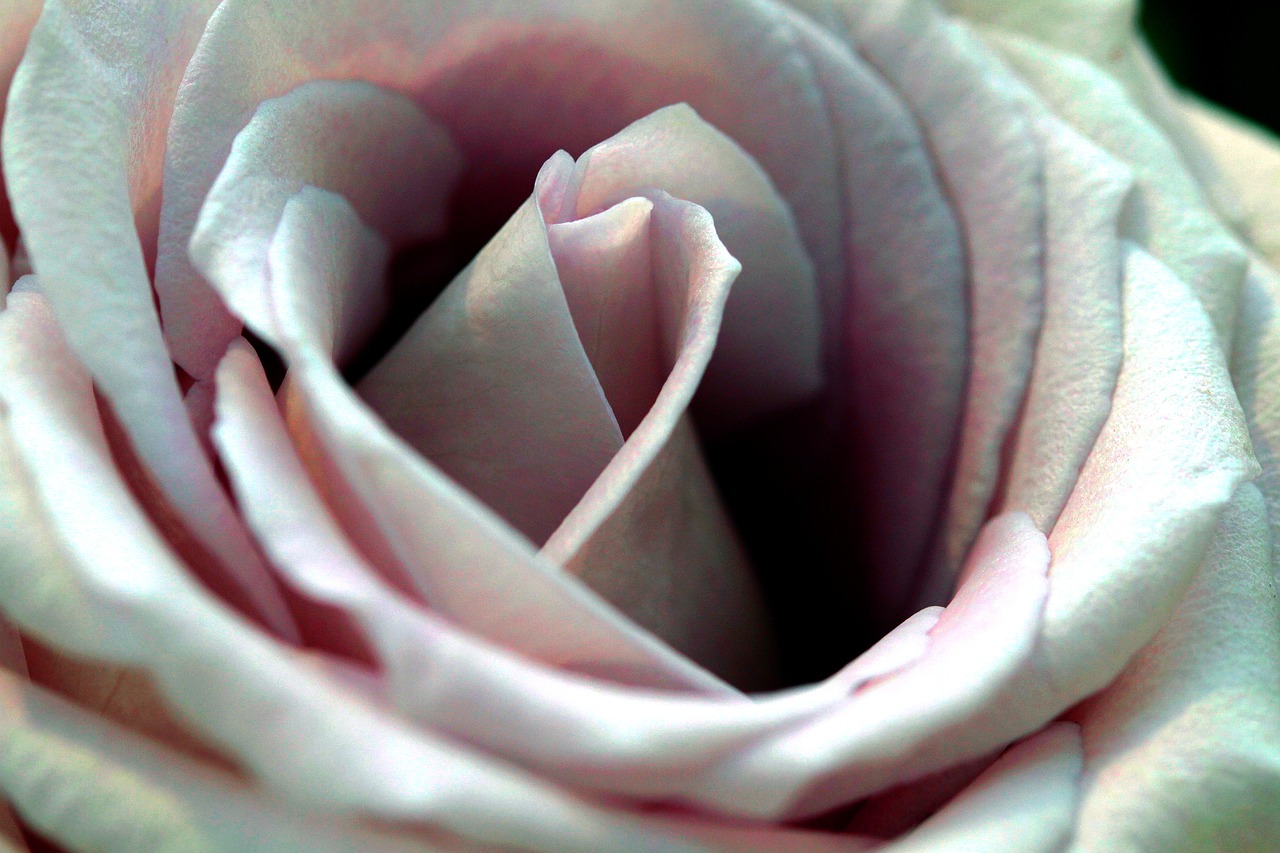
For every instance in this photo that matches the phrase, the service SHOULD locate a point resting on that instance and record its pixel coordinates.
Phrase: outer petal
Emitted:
(590, 733)
(968, 111)
(1170, 216)
(1079, 352)
(88, 784)
(1172, 453)
(1249, 159)
(16, 21)
(86, 116)
(302, 733)
(1183, 751)
(1024, 802)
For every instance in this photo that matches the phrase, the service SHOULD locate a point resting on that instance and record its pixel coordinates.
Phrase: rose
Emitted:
(957, 231)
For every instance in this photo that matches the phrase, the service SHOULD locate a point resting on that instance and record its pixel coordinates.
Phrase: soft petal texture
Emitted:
(983, 641)
(1025, 801)
(1250, 160)
(772, 316)
(587, 732)
(986, 282)
(1000, 201)
(493, 385)
(1171, 455)
(1170, 216)
(393, 164)
(464, 560)
(300, 732)
(703, 51)
(87, 784)
(88, 109)
(1183, 751)
(1079, 352)
(905, 319)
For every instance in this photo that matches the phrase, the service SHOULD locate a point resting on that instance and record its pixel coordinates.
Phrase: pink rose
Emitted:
(569, 501)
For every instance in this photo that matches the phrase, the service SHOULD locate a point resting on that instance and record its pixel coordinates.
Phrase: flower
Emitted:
(844, 311)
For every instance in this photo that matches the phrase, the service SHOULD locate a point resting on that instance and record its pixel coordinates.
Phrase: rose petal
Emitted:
(305, 736)
(768, 353)
(590, 733)
(1026, 801)
(492, 384)
(86, 114)
(1173, 451)
(1079, 352)
(1095, 29)
(903, 322)
(648, 55)
(1169, 215)
(1248, 157)
(999, 200)
(116, 791)
(1255, 370)
(1183, 751)
(933, 713)
(1106, 34)
(465, 560)
(396, 166)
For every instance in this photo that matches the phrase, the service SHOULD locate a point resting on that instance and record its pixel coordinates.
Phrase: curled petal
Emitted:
(1173, 451)
(1000, 203)
(587, 732)
(466, 562)
(1182, 751)
(395, 165)
(77, 122)
(1026, 801)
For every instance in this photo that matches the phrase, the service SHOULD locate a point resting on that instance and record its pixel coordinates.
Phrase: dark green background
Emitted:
(1226, 51)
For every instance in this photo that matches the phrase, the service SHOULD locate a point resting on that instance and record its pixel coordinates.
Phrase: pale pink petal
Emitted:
(83, 145)
(585, 732)
(604, 266)
(492, 384)
(900, 321)
(1143, 76)
(1169, 215)
(767, 355)
(649, 533)
(1182, 752)
(1024, 803)
(642, 56)
(951, 82)
(396, 166)
(942, 709)
(1105, 33)
(1255, 370)
(467, 562)
(1079, 352)
(117, 791)
(1173, 451)
(302, 734)
(1250, 160)
(1095, 29)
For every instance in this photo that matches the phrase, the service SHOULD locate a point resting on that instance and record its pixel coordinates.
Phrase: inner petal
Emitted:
(604, 266)
(492, 385)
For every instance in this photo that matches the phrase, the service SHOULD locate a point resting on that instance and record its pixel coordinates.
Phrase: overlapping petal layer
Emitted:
(968, 255)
